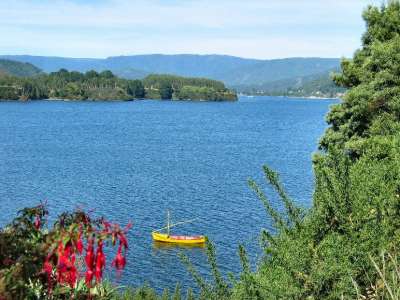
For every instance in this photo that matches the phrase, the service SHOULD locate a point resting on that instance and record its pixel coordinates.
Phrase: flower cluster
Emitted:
(79, 239)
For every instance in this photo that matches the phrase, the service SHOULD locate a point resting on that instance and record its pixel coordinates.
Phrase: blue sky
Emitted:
(249, 28)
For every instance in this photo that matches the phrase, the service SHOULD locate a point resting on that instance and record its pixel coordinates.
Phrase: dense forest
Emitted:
(106, 86)
(182, 88)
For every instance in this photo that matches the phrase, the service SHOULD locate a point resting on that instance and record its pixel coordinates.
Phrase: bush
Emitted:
(64, 261)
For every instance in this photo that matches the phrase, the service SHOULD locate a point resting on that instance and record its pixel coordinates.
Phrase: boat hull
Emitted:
(178, 239)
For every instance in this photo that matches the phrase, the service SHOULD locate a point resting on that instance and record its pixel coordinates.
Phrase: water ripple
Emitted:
(134, 160)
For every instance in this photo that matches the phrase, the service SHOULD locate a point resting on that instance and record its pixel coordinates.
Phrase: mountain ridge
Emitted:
(213, 65)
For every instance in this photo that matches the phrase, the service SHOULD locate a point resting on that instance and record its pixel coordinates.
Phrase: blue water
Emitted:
(135, 160)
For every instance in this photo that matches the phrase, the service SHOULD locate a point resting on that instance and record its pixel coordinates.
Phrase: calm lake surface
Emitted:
(134, 160)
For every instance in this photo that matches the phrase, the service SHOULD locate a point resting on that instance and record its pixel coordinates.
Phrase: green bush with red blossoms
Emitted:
(64, 262)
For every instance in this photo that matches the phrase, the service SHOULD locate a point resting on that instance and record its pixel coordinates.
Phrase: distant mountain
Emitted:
(138, 66)
(241, 73)
(53, 64)
(129, 73)
(20, 69)
(277, 69)
(209, 66)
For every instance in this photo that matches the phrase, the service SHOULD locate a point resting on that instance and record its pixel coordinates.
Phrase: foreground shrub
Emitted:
(387, 281)
(62, 262)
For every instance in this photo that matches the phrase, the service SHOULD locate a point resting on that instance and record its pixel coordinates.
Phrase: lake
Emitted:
(134, 160)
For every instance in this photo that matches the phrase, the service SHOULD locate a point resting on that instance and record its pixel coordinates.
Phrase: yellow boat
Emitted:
(176, 239)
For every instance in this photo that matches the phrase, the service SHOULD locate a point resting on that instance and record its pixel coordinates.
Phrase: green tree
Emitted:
(372, 105)
(166, 91)
(107, 74)
(91, 74)
(136, 89)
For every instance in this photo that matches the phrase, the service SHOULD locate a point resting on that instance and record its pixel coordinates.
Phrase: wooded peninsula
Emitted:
(92, 85)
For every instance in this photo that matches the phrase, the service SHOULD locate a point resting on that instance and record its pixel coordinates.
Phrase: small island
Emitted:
(104, 86)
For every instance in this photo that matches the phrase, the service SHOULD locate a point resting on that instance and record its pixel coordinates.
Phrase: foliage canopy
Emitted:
(106, 86)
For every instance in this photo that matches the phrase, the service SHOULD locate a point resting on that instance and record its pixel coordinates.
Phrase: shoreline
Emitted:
(294, 97)
(169, 100)
(113, 100)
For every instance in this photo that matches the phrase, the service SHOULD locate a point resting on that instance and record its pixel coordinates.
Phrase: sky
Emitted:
(263, 29)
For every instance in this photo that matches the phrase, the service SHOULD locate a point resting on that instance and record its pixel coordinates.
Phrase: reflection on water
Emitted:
(166, 246)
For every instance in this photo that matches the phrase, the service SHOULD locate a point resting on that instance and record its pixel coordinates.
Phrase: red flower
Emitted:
(98, 273)
(79, 243)
(48, 268)
(62, 263)
(60, 249)
(72, 275)
(66, 269)
(37, 223)
(89, 258)
(68, 249)
(123, 240)
(100, 261)
(62, 259)
(119, 261)
(89, 277)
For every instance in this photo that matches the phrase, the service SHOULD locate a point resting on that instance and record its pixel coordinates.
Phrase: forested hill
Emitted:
(19, 69)
(318, 85)
(106, 86)
(182, 88)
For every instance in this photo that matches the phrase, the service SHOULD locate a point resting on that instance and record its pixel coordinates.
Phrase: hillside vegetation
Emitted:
(183, 88)
(318, 85)
(106, 86)
(15, 68)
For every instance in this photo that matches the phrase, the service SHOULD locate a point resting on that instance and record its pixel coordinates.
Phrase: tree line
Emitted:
(105, 85)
